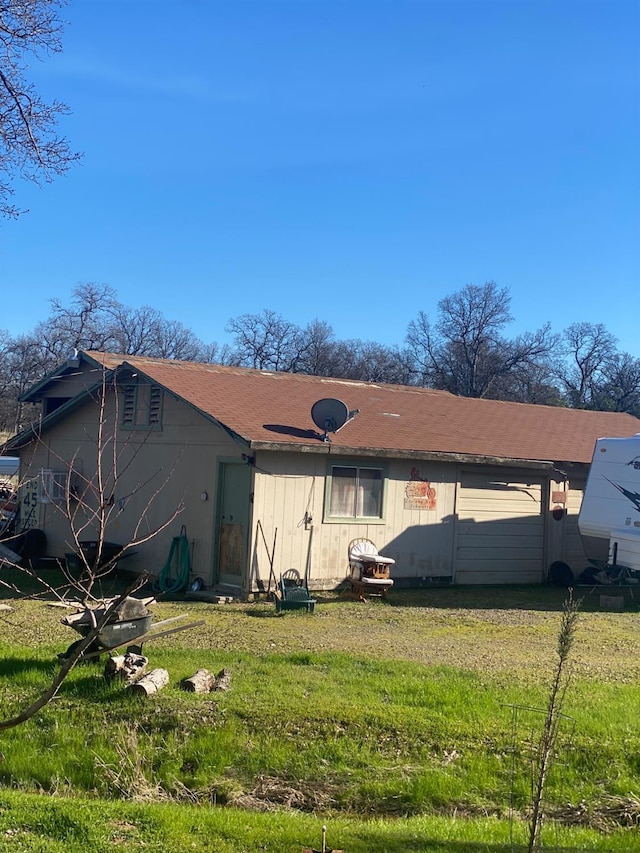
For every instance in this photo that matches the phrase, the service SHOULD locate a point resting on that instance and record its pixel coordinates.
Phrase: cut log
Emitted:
(151, 682)
(202, 681)
(129, 667)
(223, 680)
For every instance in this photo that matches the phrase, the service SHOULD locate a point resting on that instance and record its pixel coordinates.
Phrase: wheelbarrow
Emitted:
(130, 624)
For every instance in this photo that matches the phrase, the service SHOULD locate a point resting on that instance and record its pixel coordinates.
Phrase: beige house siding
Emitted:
(76, 381)
(288, 485)
(500, 531)
(175, 465)
(441, 520)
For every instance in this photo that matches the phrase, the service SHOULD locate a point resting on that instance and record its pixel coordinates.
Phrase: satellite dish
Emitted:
(329, 415)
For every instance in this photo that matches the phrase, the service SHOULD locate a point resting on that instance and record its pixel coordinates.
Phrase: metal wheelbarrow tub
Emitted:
(130, 623)
(115, 633)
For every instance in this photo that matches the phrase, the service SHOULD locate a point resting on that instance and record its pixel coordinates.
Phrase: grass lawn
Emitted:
(401, 725)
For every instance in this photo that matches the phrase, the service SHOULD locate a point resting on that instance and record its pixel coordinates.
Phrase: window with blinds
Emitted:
(354, 491)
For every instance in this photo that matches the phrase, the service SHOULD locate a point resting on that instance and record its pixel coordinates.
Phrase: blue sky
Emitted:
(348, 160)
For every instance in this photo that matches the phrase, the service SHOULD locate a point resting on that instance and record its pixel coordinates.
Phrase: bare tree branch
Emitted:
(30, 147)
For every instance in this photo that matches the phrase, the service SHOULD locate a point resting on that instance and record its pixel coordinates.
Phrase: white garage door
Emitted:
(500, 531)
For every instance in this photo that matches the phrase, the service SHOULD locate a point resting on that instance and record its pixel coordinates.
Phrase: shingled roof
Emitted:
(270, 410)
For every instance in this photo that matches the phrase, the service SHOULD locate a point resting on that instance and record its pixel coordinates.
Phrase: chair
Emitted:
(292, 593)
(368, 570)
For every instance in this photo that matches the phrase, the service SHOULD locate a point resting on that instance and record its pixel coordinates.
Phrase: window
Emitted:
(52, 486)
(141, 405)
(354, 492)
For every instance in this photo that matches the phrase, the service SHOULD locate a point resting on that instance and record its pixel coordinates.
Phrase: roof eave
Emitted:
(34, 430)
(235, 436)
(389, 453)
(33, 394)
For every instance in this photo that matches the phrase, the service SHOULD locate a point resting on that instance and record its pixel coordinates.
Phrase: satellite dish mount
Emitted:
(330, 415)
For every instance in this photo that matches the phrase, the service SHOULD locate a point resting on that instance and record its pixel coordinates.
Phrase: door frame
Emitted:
(223, 463)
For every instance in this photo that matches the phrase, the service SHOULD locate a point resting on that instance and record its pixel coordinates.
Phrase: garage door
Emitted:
(500, 531)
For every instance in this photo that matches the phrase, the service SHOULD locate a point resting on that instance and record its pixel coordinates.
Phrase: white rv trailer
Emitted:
(609, 518)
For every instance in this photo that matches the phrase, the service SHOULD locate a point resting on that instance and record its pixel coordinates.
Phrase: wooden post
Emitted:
(151, 682)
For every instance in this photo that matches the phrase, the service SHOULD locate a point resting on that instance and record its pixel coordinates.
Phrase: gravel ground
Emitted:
(497, 630)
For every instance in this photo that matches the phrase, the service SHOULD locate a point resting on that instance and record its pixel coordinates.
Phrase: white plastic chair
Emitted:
(368, 570)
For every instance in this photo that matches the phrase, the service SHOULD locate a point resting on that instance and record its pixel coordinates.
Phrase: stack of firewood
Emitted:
(132, 668)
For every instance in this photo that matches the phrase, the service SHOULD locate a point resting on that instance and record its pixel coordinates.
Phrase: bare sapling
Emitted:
(546, 746)
(87, 506)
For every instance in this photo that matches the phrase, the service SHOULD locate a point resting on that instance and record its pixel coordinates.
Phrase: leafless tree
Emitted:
(88, 509)
(30, 146)
(145, 331)
(588, 350)
(466, 352)
(316, 357)
(94, 319)
(369, 361)
(265, 341)
(20, 368)
(619, 387)
(529, 382)
(85, 323)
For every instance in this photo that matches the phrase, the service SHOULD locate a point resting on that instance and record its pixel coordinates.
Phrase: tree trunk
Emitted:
(201, 682)
(129, 667)
(223, 680)
(151, 683)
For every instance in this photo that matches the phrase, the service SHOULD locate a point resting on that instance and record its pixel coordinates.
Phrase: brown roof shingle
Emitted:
(261, 406)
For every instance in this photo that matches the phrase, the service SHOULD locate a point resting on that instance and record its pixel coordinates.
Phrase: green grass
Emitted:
(57, 825)
(392, 722)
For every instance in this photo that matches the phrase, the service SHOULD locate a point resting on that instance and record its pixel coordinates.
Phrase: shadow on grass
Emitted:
(424, 844)
(12, 666)
(542, 598)
(261, 610)
(539, 597)
(535, 597)
(51, 585)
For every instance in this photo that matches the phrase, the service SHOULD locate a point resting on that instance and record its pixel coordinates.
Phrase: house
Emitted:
(456, 490)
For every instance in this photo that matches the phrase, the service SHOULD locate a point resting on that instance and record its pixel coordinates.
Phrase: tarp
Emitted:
(9, 466)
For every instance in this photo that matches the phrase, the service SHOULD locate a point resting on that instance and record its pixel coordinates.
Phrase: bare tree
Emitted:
(20, 368)
(318, 344)
(87, 508)
(30, 147)
(466, 352)
(526, 371)
(145, 331)
(369, 361)
(588, 349)
(266, 341)
(86, 323)
(529, 383)
(619, 387)
(94, 319)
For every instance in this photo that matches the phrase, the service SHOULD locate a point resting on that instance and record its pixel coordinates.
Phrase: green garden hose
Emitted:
(174, 575)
